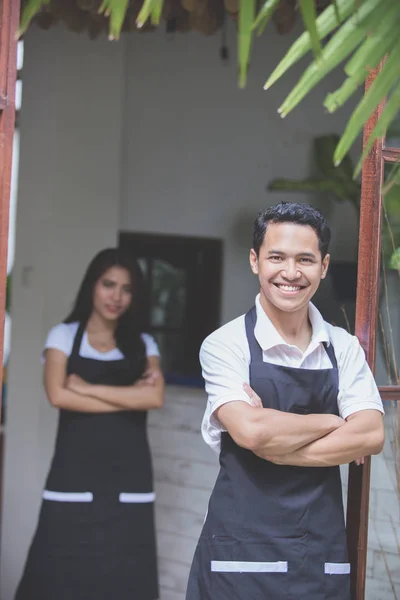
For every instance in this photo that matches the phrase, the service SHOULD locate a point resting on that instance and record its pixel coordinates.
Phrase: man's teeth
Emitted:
(289, 288)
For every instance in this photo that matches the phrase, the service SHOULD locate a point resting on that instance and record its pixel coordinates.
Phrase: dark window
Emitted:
(183, 279)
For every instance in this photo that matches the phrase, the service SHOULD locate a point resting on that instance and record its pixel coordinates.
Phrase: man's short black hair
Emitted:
(292, 212)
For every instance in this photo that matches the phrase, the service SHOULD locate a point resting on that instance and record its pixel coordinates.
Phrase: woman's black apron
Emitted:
(275, 532)
(95, 538)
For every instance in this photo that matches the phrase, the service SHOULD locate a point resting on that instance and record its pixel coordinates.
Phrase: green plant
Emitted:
(340, 183)
(361, 32)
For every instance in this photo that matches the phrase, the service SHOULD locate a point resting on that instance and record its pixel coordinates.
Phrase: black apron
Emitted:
(275, 532)
(95, 538)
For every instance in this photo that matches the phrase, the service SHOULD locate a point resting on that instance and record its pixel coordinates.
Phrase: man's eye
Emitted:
(306, 260)
(276, 258)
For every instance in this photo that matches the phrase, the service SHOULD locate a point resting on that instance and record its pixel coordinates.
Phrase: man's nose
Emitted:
(291, 271)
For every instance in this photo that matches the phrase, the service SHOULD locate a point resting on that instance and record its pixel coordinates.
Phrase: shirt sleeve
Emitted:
(151, 345)
(225, 369)
(60, 337)
(357, 387)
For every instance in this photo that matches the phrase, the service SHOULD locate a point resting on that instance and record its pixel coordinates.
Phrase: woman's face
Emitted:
(112, 293)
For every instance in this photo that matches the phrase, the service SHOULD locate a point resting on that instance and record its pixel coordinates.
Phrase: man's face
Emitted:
(289, 266)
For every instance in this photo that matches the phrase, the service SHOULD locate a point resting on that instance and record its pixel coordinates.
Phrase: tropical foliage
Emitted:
(359, 33)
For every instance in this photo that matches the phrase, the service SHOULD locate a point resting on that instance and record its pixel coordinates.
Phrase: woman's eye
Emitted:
(127, 290)
(108, 284)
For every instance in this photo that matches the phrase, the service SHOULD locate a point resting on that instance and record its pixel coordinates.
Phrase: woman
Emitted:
(95, 538)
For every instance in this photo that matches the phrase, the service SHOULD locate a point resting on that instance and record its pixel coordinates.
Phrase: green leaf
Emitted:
(157, 12)
(337, 11)
(247, 11)
(145, 12)
(265, 15)
(30, 10)
(117, 11)
(340, 45)
(326, 23)
(368, 56)
(395, 260)
(377, 43)
(309, 15)
(388, 114)
(380, 87)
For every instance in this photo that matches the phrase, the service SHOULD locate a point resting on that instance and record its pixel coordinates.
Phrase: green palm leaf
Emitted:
(367, 57)
(146, 12)
(347, 38)
(326, 23)
(116, 11)
(30, 10)
(157, 12)
(247, 11)
(265, 15)
(309, 15)
(380, 87)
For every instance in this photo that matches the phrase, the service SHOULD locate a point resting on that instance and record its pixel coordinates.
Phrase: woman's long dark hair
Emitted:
(130, 324)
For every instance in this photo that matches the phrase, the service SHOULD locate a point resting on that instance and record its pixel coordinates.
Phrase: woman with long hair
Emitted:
(95, 538)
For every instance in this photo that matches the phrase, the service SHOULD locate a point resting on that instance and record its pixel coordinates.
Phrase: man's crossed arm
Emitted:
(316, 440)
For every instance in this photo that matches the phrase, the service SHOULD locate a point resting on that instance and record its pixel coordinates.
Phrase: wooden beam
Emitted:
(390, 393)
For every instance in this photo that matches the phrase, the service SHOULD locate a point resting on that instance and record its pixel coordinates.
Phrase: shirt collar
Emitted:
(268, 337)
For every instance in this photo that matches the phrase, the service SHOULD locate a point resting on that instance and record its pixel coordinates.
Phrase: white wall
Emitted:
(67, 210)
(150, 134)
(199, 152)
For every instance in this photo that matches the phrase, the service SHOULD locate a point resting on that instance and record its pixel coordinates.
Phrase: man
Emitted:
(290, 397)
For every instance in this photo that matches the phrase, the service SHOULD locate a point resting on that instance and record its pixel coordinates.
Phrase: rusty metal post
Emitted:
(9, 19)
(366, 327)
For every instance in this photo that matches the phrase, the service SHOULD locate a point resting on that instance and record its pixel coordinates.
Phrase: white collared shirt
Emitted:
(225, 359)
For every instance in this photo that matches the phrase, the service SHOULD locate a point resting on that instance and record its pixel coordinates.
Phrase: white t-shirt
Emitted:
(61, 337)
(225, 359)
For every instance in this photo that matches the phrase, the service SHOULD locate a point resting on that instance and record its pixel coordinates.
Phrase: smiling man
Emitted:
(290, 397)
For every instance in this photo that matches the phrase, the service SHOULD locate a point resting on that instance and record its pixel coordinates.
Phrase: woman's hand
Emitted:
(78, 385)
(150, 376)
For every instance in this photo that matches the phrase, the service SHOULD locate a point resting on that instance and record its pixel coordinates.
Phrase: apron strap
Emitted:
(255, 348)
(329, 349)
(78, 340)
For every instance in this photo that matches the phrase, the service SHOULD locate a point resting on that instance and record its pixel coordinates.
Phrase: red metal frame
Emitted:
(9, 19)
(366, 328)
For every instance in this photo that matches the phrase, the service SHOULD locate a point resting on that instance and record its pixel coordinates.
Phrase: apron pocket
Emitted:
(144, 498)
(67, 496)
(337, 580)
(242, 569)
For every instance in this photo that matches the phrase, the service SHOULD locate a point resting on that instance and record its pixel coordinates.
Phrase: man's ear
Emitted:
(325, 265)
(253, 261)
